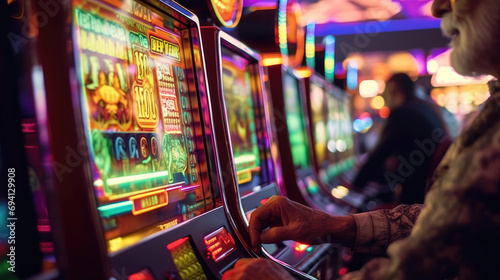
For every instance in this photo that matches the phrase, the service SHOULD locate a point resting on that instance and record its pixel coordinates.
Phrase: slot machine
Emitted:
(325, 115)
(294, 141)
(344, 140)
(244, 128)
(127, 145)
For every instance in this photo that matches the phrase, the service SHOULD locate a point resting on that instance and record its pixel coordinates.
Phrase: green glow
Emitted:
(295, 122)
(244, 159)
(313, 188)
(329, 42)
(282, 29)
(135, 178)
(309, 249)
(114, 209)
(310, 44)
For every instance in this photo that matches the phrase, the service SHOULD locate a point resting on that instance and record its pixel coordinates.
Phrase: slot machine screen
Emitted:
(346, 127)
(318, 97)
(295, 122)
(334, 126)
(141, 113)
(241, 84)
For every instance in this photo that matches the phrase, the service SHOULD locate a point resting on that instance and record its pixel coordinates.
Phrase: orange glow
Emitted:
(384, 112)
(300, 247)
(303, 72)
(377, 102)
(228, 12)
(149, 201)
(271, 59)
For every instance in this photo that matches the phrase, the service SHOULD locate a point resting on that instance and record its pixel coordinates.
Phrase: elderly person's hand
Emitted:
(288, 220)
(252, 269)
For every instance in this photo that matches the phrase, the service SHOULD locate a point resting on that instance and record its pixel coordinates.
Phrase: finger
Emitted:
(242, 262)
(275, 235)
(259, 220)
(228, 274)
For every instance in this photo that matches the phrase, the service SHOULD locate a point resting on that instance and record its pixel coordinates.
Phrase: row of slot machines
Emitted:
(149, 141)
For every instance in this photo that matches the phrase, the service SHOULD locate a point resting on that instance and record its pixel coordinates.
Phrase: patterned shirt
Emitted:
(457, 232)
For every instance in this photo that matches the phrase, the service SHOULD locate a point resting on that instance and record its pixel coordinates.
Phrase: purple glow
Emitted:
(419, 57)
(371, 26)
(189, 188)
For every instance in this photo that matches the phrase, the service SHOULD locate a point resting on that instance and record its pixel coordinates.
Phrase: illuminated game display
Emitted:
(333, 127)
(240, 87)
(141, 127)
(318, 97)
(295, 122)
(346, 127)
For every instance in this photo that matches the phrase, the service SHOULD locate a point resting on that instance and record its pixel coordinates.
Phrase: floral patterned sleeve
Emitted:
(375, 230)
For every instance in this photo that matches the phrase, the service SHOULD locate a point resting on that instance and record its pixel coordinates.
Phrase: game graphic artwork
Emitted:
(239, 86)
(138, 111)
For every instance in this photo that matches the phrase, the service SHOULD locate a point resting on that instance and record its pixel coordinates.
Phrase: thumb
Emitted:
(274, 235)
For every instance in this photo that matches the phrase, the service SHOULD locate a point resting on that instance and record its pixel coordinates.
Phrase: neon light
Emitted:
(264, 201)
(149, 201)
(288, 22)
(303, 72)
(244, 159)
(114, 209)
(329, 42)
(228, 12)
(352, 75)
(310, 44)
(274, 59)
(177, 243)
(300, 247)
(98, 183)
(282, 28)
(135, 178)
(386, 26)
(189, 188)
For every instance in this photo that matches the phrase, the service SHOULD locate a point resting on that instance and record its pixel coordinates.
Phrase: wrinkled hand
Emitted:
(251, 269)
(288, 220)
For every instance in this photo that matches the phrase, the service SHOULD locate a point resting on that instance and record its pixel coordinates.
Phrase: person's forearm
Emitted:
(341, 230)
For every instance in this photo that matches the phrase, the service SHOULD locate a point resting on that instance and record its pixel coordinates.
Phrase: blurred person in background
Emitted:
(412, 134)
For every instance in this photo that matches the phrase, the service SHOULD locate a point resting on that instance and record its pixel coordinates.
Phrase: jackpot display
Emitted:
(141, 117)
(240, 88)
(295, 122)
